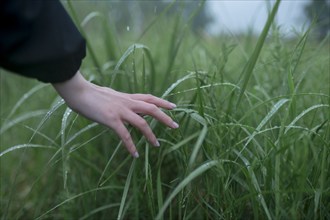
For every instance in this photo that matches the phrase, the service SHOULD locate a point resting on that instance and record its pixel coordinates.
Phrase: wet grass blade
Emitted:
(270, 114)
(255, 183)
(20, 146)
(248, 70)
(302, 115)
(197, 146)
(75, 197)
(125, 192)
(65, 150)
(125, 56)
(24, 98)
(108, 164)
(21, 118)
(99, 209)
(197, 172)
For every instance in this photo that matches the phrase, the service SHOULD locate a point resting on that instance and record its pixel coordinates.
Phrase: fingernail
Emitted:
(157, 144)
(136, 155)
(175, 125)
(173, 105)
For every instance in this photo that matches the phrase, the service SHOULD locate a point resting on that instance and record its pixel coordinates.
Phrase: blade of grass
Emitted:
(65, 150)
(80, 132)
(195, 173)
(124, 57)
(270, 114)
(116, 170)
(294, 61)
(153, 22)
(77, 196)
(160, 200)
(179, 81)
(82, 31)
(99, 209)
(21, 118)
(125, 192)
(24, 98)
(108, 164)
(302, 115)
(255, 183)
(247, 71)
(197, 146)
(181, 143)
(20, 146)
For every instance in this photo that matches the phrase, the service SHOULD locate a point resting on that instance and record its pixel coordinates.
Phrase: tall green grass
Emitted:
(253, 141)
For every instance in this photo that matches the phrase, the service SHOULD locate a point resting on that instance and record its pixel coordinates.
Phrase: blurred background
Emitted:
(216, 17)
(273, 142)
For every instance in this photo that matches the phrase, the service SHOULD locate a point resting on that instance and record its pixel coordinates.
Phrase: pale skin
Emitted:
(114, 109)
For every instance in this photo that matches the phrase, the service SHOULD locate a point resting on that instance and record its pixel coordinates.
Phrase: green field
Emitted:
(253, 141)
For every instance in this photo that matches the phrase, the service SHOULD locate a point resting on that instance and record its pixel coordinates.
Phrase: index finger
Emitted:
(125, 136)
(154, 111)
(154, 100)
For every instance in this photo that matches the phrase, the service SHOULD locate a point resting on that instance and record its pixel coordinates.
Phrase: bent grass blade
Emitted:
(270, 114)
(124, 57)
(21, 118)
(24, 98)
(77, 196)
(197, 172)
(302, 115)
(20, 146)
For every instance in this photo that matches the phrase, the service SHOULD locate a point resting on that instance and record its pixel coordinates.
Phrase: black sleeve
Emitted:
(38, 39)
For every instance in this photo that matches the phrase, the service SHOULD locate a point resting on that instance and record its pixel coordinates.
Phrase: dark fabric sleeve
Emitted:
(38, 39)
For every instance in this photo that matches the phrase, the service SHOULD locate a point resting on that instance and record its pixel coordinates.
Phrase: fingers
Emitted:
(154, 111)
(154, 100)
(126, 111)
(143, 126)
(126, 138)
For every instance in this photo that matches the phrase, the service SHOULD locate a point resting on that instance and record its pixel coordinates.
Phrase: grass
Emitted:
(253, 141)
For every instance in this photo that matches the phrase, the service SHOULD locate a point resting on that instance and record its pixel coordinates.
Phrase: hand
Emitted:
(113, 109)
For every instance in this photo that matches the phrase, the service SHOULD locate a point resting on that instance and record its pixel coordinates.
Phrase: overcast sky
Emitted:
(240, 15)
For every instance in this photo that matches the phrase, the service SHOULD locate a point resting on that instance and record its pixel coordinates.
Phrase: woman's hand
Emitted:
(113, 109)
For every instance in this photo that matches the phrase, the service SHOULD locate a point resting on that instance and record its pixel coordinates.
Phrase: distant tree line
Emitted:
(318, 12)
(137, 13)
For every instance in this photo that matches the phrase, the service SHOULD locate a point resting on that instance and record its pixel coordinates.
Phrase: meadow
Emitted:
(253, 141)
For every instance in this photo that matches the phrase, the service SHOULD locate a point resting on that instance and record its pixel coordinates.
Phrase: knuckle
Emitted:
(126, 138)
(152, 108)
(149, 97)
(112, 121)
(142, 123)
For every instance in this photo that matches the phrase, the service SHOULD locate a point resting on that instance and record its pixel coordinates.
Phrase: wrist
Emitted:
(71, 88)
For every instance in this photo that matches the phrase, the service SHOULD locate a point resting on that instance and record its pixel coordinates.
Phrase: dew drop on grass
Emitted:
(259, 196)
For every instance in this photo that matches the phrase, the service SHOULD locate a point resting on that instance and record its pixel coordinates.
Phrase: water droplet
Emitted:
(127, 28)
(259, 196)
